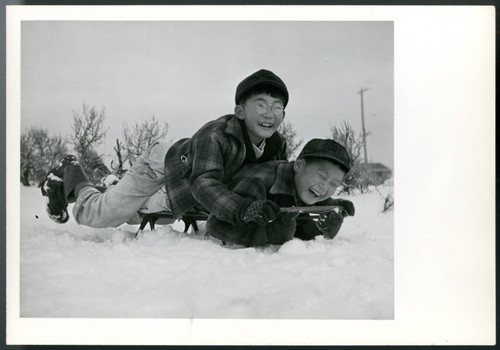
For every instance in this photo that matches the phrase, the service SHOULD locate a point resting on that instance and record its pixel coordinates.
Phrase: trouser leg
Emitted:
(157, 202)
(74, 179)
(121, 202)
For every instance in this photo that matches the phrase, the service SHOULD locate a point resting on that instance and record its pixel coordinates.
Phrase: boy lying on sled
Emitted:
(310, 180)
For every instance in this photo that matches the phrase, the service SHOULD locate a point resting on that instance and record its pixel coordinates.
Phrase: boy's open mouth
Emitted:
(266, 125)
(315, 193)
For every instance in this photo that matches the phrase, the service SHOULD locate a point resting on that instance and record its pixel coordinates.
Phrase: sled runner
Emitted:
(191, 217)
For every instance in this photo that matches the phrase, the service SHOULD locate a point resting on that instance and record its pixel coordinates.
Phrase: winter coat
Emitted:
(274, 181)
(197, 168)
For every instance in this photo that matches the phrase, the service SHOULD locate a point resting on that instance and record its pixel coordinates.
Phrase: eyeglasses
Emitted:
(263, 108)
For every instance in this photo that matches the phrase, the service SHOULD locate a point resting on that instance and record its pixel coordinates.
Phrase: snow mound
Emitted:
(75, 271)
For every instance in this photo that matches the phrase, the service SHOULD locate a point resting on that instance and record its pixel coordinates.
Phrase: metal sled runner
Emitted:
(190, 218)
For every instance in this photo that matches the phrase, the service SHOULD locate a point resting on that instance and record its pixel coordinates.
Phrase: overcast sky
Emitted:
(186, 73)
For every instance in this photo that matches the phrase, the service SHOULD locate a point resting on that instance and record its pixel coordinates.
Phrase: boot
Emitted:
(59, 186)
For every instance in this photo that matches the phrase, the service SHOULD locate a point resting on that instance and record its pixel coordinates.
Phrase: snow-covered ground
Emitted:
(76, 271)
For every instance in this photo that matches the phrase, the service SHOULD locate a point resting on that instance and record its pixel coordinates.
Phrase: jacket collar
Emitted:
(272, 148)
(233, 127)
(284, 183)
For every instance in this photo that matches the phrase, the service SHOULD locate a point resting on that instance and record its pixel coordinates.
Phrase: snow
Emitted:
(68, 270)
(54, 177)
(110, 180)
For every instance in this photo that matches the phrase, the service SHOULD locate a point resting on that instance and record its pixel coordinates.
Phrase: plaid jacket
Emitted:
(272, 180)
(197, 168)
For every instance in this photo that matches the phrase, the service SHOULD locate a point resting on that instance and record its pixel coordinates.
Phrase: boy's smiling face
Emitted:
(262, 116)
(316, 179)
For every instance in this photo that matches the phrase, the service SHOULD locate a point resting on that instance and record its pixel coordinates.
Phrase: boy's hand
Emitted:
(348, 206)
(282, 229)
(329, 224)
(261, 212)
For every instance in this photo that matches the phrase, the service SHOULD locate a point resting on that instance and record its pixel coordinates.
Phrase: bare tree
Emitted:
(142, 135)
(347, 137)
(118, 168)
(88, 133)
(96, 170)
(287, 130)
(39, 153)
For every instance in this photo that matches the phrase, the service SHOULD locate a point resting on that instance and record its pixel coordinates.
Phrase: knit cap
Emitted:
(327, 149)
(261, 77)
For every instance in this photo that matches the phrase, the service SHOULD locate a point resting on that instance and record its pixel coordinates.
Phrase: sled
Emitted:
(190, 218)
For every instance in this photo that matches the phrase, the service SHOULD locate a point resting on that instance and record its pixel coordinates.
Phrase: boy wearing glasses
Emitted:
(190, 174)
(310, 180)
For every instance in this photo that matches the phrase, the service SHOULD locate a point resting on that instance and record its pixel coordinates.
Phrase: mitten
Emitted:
(242, 234)
(261, 212)
(282, 229)
(329, 224)
(348, 206)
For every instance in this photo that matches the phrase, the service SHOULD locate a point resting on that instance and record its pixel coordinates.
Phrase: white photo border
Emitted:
(444, 248)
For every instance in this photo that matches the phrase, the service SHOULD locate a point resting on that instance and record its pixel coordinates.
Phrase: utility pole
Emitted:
(361, 91)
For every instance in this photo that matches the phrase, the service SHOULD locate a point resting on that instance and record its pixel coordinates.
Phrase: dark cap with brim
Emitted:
(327, 149)
(262, 77)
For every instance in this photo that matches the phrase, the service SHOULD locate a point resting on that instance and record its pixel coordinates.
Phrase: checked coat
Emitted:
(274, 181)
(197, 168)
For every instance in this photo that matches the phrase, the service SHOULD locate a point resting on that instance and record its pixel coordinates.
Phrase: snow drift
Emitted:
(75, 271)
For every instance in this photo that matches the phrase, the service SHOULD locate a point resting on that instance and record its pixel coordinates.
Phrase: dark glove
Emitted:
(260, 212)
(242, 234)
(348, 206)
(282, 229)
(329, 224)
